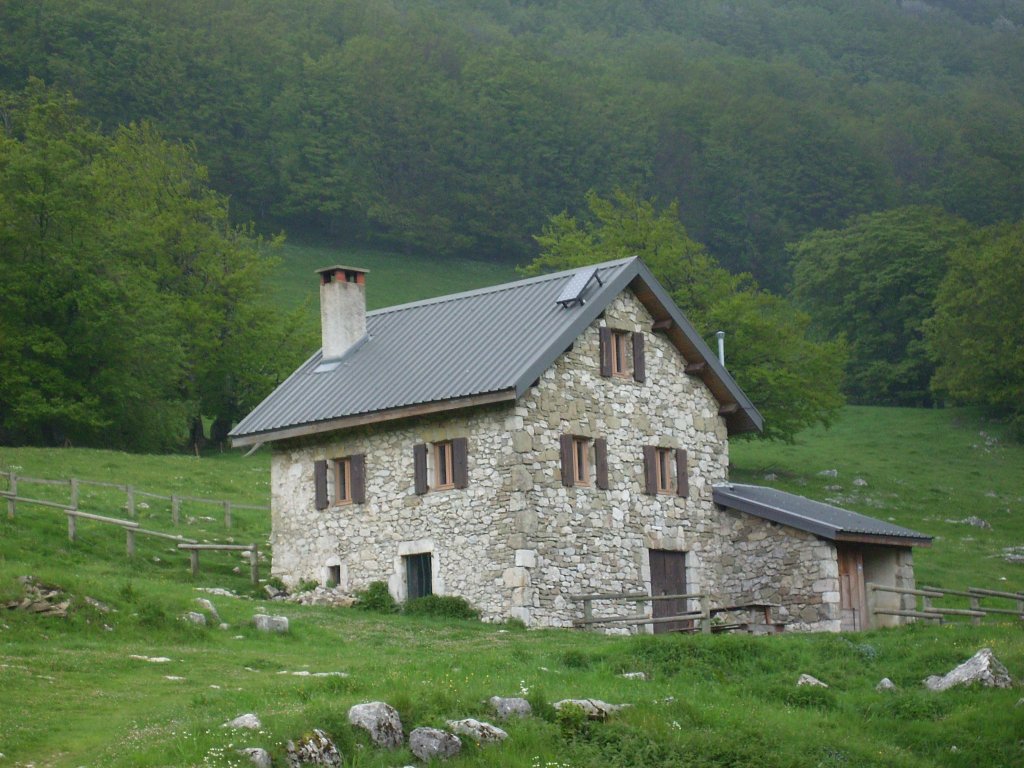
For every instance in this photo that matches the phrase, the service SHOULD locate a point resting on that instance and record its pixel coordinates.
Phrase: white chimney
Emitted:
(342, 308)
(721, 347)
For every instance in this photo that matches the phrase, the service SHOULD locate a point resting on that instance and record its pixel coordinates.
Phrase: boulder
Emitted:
(810, 680)
(478, 731)
(595, 709)
(380, 720)
(634, 675)
(266, 623)
(982, 668)
(428, 743)
(885, 684)
(195, 618)
(248, 720)
(260, 758)
(315, 748)
(511, 707)
(207, 606)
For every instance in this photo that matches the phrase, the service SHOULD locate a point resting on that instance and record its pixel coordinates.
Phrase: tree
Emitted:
(129, 300)
(873, 282)
(977, 333)
(792, 380)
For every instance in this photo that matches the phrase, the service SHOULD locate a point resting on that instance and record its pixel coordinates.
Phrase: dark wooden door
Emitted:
(668, 577)
(852, 595)
(418, 577)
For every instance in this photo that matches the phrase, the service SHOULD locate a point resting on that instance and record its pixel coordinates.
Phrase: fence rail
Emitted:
(930, 612)
(74, 484)
(132, 529)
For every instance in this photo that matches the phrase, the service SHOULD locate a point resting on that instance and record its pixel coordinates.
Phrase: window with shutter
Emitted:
(349, 478)
(419, 465)
(320, 483)
(622, 354)
(639, 364)
(682, 474)
(601, 463)
(584, 461)
(665, 471)
(444, 470)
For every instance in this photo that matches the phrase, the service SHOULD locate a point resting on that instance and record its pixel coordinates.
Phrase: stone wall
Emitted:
(516, 542)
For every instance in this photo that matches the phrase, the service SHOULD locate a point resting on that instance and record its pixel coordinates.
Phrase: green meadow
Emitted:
(72, 694)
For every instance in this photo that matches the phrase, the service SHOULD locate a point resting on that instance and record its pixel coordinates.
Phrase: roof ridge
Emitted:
(499, 287)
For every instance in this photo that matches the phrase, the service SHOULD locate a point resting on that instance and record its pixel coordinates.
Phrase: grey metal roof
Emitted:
(825, 520)
(491, 341)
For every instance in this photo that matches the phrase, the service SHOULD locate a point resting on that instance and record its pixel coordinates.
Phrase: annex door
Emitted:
(853, 599)
(668, 577)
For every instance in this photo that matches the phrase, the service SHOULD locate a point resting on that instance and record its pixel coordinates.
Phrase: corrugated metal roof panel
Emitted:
(805, 514)
(475, 343)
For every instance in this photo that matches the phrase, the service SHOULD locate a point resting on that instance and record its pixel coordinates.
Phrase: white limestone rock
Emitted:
(983, 667)
(430, 743)
(595, 709)
(315, 748)
(207, 606)
(810, 680)
(195, 617)
(260, 758)
(380, 720)
(510, 707)
(478, 731)
(266, 623)
(248, 720)
(885, 684)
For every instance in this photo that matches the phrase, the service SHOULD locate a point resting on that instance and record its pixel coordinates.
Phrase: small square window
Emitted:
(621, 352)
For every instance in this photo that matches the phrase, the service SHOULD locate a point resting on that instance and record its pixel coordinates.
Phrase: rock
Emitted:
(860, 482)
(195, 617)
(595, 709)
(101, 607)
(771, 477)
(151, 659)
(476, 730)
(273, 592)
(222, 625)
(380, 720)
(266, 623)
(829, 473)
(258, 757)
(248, 720)
(511, 707)
(810, 680)
(207, 606)
(634, 675)
(977, 522)
(885, 684)
(982, 668)
(314, 748)
(428, 743)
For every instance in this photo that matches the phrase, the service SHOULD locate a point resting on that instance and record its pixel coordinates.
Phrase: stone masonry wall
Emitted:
(516, 542)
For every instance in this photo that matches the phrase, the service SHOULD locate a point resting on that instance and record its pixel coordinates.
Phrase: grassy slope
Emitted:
(69, 694)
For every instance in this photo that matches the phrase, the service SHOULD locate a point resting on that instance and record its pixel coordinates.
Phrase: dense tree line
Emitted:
(131, 307)
(460, 127)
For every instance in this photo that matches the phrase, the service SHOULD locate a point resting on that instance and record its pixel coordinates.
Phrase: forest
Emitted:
(844, 158)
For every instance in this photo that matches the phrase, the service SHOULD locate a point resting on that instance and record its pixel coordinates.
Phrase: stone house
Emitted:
(532, 442)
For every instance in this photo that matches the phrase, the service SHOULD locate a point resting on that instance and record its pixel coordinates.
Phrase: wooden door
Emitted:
(852, 595)
(668, 577)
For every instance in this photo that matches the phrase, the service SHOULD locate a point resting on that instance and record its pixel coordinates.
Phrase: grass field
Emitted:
(394, 278)
(71, 694)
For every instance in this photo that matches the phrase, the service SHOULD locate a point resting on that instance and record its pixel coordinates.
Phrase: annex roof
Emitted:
(825, 520)
(479, 346)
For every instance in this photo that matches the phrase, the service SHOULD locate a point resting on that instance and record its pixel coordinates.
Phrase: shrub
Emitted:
(446, 606)
(377, 598)
(576, 660)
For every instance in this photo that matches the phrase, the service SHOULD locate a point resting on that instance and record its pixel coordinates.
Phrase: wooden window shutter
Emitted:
(650, 470)
(601, 463)
(682, 473)
(460, 462)
(320, 481)
(639, 369)
(357, 470)
(606, 351)
(419, 464)
(565, 449)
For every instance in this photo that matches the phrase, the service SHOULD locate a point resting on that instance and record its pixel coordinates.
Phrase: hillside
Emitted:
(73, 691)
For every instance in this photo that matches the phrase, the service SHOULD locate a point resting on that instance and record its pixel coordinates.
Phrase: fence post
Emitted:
(130, 541)
(14, 493)
(175, 509)
(72, 524)
(588, 612)
(705, 615)
(254, 564)
(227, 514)
(131, 500)
(975, 606)
(73, 483)
(193, 561)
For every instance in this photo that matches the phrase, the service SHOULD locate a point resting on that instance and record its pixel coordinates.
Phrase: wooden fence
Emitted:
(931, 612)
(751, 617)
(132, 493)
(131, 527)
